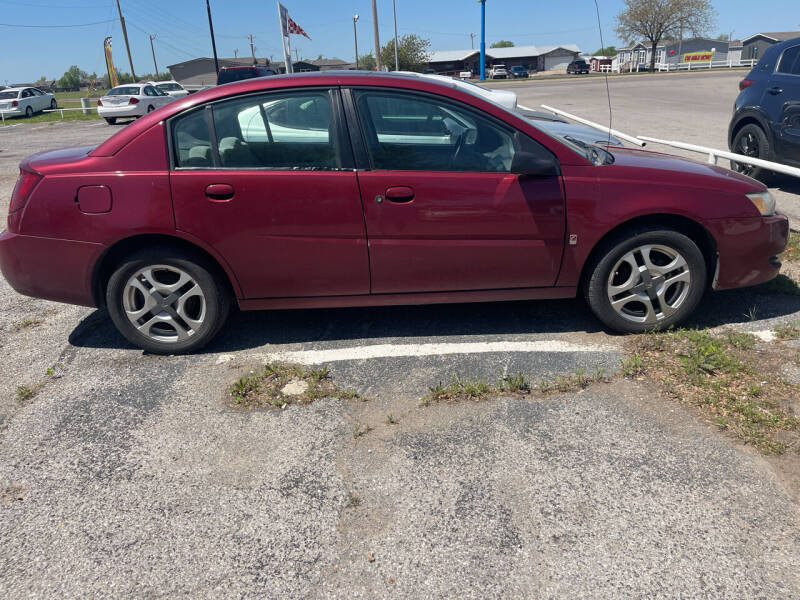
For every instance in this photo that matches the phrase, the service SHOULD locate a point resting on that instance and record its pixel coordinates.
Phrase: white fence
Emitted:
(641, 67)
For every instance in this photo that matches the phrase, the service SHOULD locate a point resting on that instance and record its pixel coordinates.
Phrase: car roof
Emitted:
(15, 89)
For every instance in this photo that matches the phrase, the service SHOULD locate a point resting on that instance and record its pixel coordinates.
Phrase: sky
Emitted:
(181, 28)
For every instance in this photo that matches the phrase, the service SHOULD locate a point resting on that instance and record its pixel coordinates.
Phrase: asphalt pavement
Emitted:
(130, 475)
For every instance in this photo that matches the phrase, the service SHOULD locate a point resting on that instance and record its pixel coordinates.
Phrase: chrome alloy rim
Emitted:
(649, 283)
(164, 303)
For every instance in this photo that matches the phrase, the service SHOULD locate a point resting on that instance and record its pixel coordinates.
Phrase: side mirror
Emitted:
(530, 165)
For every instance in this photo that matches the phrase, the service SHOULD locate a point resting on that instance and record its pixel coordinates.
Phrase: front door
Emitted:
(443, 212)
(781, 101)
(265, 180)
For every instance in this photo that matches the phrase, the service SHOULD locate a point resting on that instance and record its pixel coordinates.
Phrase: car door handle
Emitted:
(219, 192)
(400, 194)
(775, 91)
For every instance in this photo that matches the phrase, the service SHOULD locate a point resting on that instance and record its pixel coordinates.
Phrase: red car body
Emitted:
(293, 238)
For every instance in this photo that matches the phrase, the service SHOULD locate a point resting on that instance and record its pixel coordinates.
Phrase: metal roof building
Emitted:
(533, 58)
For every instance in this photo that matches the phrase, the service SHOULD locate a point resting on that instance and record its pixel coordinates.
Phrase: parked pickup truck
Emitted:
(498, 72)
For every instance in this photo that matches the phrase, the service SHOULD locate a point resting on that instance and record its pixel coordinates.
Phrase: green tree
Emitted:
(655, 20)
(72, 78)
(502, 44)
(412, 53)
(366, 62)
(607, 51)
(124, 77)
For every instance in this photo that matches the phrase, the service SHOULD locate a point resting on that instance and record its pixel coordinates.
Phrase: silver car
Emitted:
(25, 101)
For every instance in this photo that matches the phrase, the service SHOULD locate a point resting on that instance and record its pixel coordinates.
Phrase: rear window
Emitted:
(8, 95)
(131, 90)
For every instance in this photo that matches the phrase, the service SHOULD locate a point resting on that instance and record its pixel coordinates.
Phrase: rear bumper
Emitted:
(48, 268)
(748, 249)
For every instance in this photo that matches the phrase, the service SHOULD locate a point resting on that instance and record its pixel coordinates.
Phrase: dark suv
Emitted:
(577, 67)
(766, 114)
(518, 72)
(230, 74)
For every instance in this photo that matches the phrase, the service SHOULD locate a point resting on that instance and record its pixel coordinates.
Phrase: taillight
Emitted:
(133, 101)
(22, 191)
(15, 103)
(745, 83)
(99, 103)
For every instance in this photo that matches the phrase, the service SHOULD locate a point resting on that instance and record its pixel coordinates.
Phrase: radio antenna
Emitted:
(608, 90)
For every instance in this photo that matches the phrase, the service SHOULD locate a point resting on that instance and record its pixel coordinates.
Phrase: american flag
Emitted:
(288, 25)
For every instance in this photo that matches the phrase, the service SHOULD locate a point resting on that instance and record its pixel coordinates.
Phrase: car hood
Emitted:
(579, 132)
(655, 167)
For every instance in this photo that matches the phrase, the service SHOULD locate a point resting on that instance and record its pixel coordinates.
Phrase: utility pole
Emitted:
(355, 38)
(297, 55)
(483, 39)
(152, 36)
(125, 35)
(377, 39)
(472, 40)
(213, 43)
(235, 53)
(396, 61)
(252, 47)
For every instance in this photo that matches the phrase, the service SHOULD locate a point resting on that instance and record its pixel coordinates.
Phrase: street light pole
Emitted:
(377, 39)
(396, 61)
(152, 37)
(355, 38)
(483, 39)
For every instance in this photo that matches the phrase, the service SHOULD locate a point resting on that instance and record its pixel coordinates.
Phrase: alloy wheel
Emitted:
(747, 146)
(164, 303)
(649, 283)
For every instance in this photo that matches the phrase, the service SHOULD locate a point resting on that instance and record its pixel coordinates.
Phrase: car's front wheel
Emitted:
(649, 278)
(167, 301)
(53, 104)
(751, 141)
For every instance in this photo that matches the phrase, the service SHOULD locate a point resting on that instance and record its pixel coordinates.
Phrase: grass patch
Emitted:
(28, 323)
(478, 389)
(391, 419)
(724, 377)
(278, 385)
(787, 331)
(26, 392)
(361, 430)
(792, 251)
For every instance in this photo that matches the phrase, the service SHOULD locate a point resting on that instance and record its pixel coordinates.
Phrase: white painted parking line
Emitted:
(315, 357)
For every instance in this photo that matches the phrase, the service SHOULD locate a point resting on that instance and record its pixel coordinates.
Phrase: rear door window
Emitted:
(790, 61)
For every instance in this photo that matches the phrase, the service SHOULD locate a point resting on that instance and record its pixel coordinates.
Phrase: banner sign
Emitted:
(112, 72)
(704, 56)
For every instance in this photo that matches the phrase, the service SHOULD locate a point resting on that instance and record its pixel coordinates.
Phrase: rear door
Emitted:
(442, 209)
(268, 180)
(781, 101)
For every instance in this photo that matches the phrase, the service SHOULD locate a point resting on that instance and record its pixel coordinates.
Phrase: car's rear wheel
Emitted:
(751, 141)
(151, 108)
(111, 120)
(649, 278)
(167, 301)
(29, 112)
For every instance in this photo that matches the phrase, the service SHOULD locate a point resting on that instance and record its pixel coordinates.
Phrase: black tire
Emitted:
(751, 140)
(681, 297)
(213, 291)
(28, 112)
(53, 104)
(111, 120)
(151, 108)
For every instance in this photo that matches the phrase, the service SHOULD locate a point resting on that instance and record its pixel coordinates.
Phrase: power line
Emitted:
(57, 26)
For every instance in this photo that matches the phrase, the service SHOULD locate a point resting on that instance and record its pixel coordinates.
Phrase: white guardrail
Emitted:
(712, 153)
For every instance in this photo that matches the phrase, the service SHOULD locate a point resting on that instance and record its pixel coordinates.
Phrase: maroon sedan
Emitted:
(354, 189)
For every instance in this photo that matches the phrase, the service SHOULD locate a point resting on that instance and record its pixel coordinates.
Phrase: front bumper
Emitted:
(49, 268)
(748, 249)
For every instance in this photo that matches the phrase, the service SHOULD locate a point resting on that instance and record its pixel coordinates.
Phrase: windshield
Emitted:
(169, 87)
(8, 95)
(131, 90)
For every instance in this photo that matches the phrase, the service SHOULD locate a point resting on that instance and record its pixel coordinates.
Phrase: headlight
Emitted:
(764, 203)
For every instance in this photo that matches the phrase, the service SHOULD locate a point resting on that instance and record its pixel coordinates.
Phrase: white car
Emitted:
(501, 97)
(131, 100)
(498, 72)
(24, 101)
(173, 88)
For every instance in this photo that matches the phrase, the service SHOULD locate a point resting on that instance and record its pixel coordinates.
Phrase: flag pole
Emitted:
(286, 58)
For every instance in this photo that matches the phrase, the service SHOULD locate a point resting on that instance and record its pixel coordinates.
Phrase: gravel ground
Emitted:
(129, 475)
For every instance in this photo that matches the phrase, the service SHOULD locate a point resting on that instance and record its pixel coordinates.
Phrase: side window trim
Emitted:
(341, 139)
